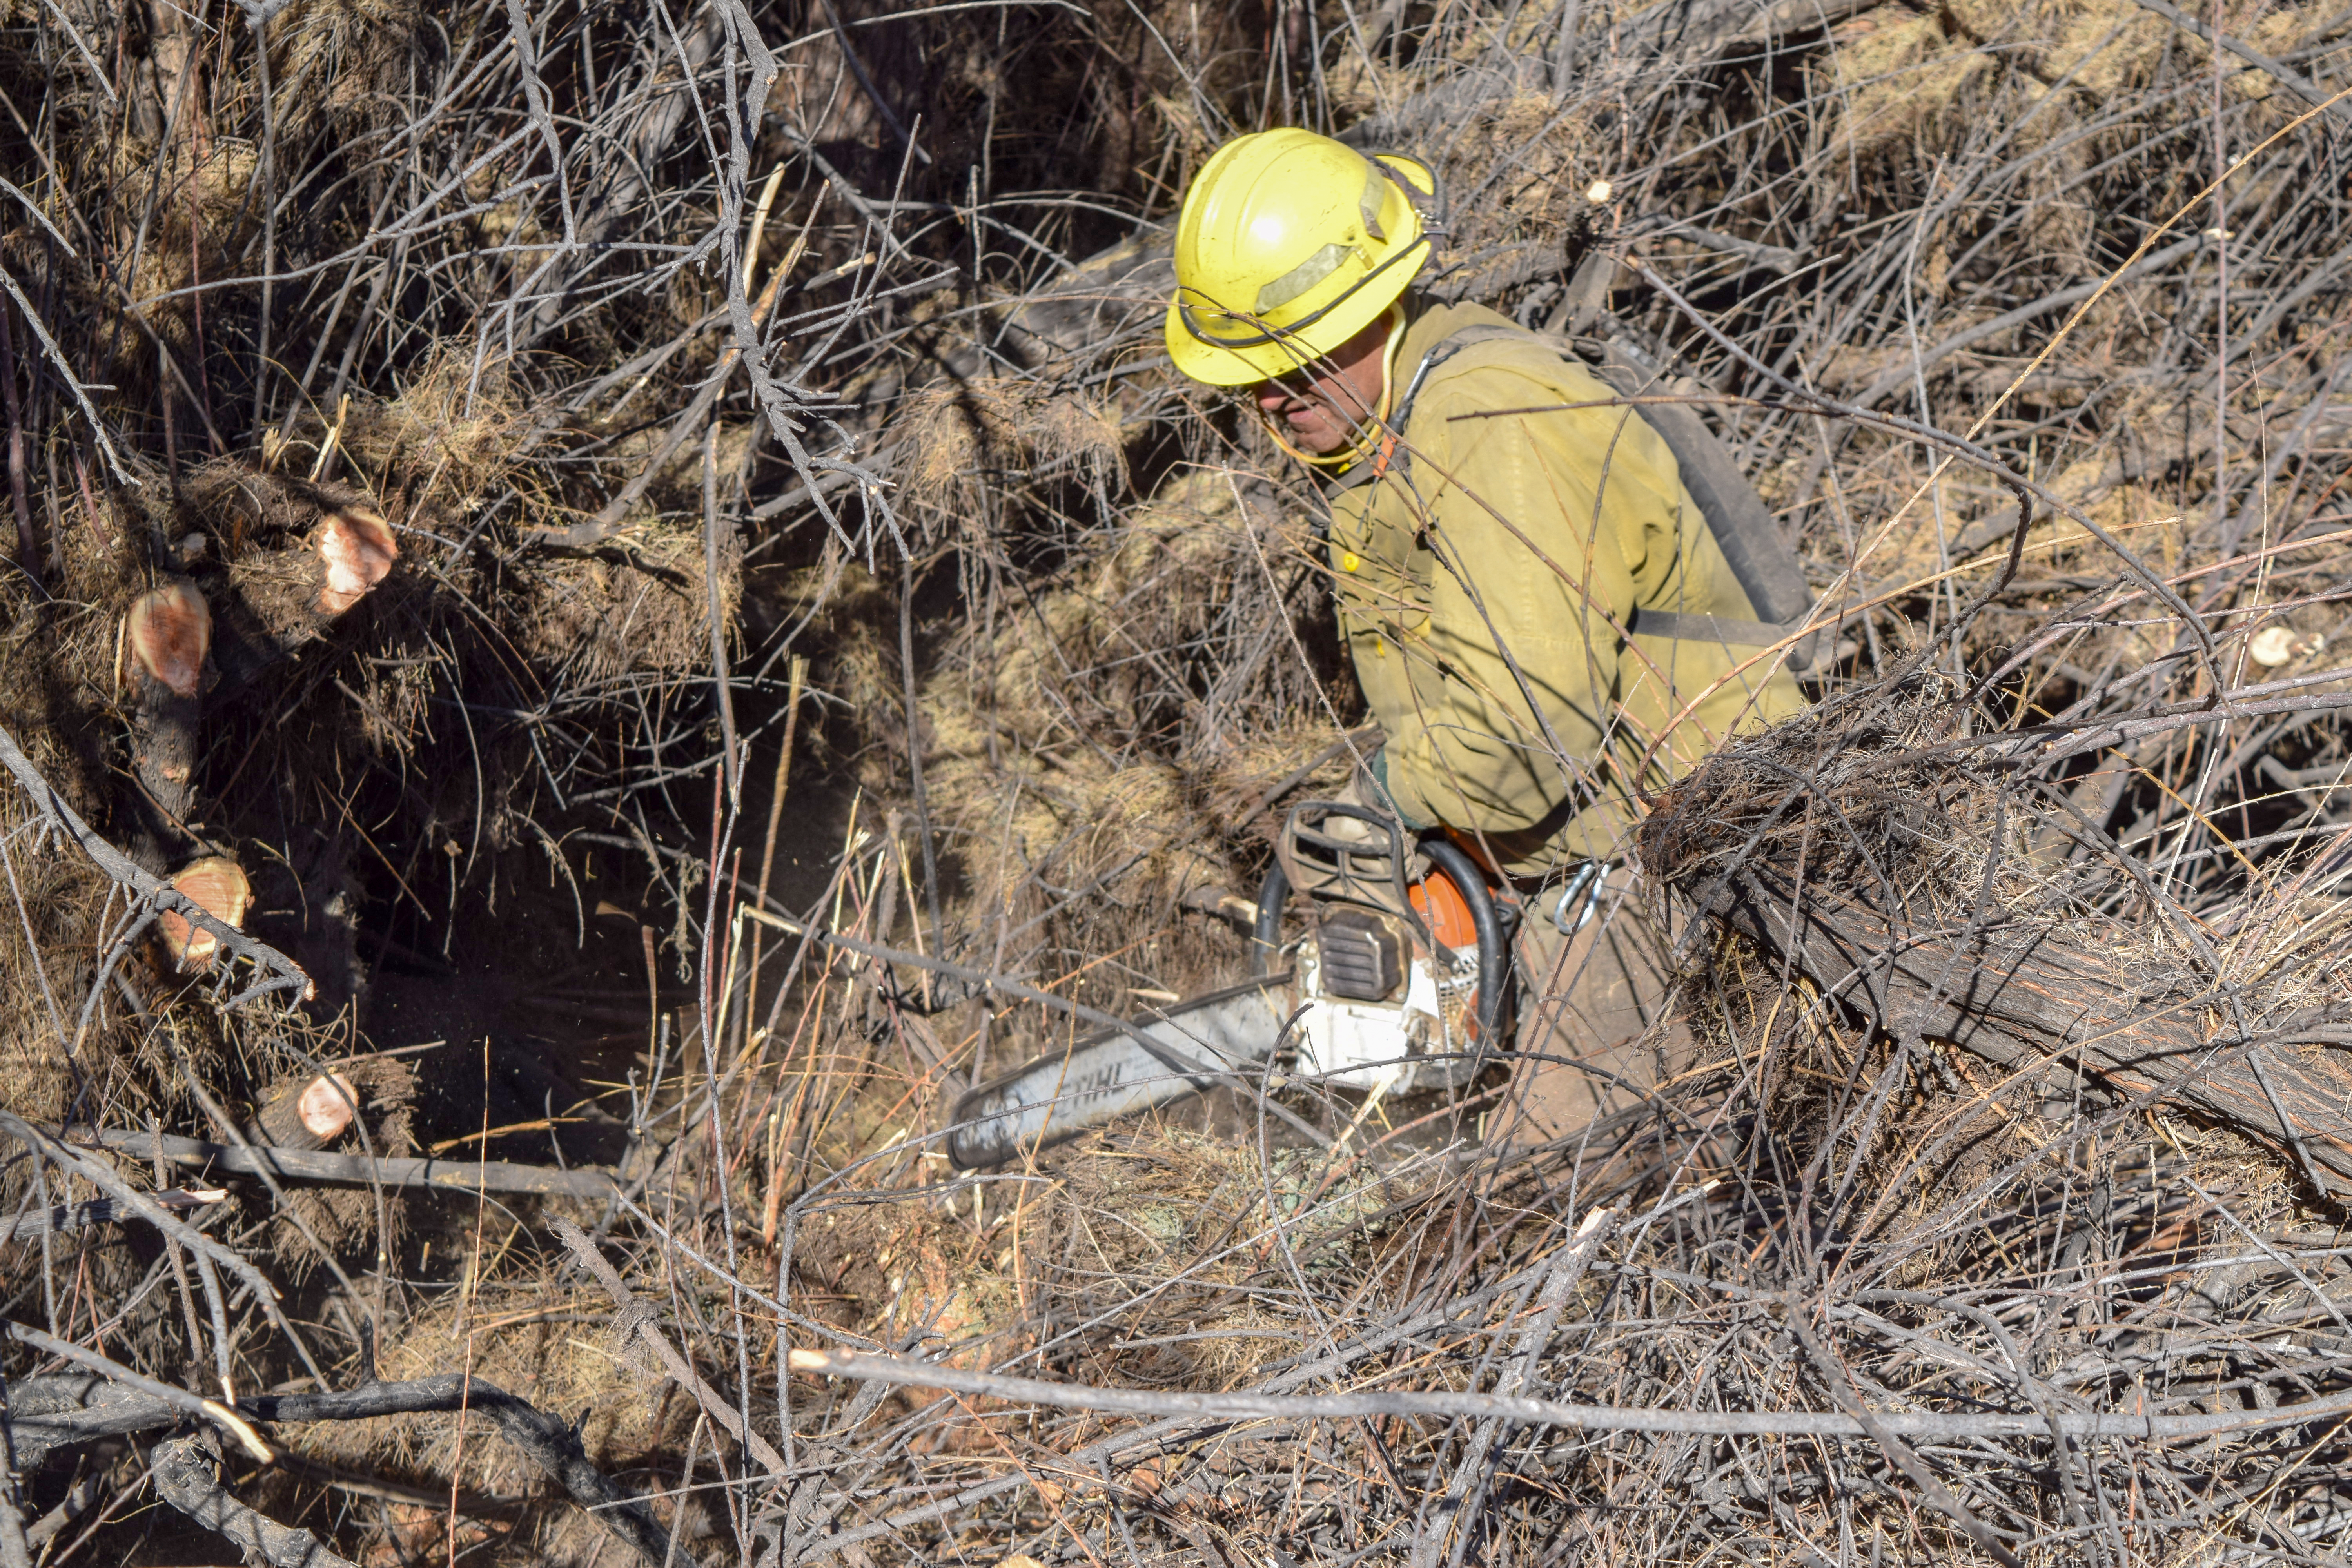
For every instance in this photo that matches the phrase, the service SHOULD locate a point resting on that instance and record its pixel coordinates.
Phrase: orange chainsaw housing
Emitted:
(1439, 902)
(1442, 907)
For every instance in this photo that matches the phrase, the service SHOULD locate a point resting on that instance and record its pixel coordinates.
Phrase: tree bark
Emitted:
(167, 638)
(185, 1479)
(2022, 999)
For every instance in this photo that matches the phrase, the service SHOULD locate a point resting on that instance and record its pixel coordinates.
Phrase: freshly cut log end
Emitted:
(217, 885)
(357, 549)
(167, 640)
(170, 632)
(325, 1107)
(308, 1112)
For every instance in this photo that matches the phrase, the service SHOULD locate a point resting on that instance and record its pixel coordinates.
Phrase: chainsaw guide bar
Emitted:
(1166, 1055)
(1401, 983)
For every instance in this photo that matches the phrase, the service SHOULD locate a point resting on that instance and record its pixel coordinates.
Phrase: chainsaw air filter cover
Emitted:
(1361, 955)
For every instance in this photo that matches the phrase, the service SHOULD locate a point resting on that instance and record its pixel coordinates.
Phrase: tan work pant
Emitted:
(1593, 1032)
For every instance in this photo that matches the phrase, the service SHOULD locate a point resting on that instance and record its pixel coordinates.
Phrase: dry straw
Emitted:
(561, 409)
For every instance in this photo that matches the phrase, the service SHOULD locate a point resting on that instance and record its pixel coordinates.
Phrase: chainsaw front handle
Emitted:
(1494, 969)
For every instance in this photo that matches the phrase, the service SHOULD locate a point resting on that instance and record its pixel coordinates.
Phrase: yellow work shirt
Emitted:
(1487, 573)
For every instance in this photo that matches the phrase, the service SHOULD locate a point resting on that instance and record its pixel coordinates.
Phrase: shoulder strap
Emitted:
(1376, 467)
(1444, 349)
(1765, 568)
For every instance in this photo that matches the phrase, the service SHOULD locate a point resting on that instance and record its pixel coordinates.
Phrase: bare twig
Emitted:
(636, 1320)
(1243, 1407)
(62, 1218)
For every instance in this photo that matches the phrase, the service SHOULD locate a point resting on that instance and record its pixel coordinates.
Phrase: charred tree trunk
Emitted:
(184, 1478)
(2034, 999)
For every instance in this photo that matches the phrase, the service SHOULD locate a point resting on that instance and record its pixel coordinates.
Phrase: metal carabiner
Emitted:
(1580, 893)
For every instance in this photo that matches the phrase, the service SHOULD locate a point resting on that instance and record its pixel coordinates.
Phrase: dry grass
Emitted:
(501, 805)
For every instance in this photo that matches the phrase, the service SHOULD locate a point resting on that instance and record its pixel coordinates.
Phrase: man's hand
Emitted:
(1367, 789)
(1371, 786)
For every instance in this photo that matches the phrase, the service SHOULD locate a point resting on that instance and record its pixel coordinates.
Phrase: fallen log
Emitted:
(2024, 998)
(1885, 873)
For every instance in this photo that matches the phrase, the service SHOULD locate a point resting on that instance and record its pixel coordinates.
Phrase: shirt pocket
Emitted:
(1384, 582)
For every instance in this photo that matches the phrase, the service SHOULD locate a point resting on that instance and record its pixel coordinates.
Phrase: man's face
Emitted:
(1318, 406)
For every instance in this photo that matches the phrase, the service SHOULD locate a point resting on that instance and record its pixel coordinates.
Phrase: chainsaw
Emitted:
(1400, 982)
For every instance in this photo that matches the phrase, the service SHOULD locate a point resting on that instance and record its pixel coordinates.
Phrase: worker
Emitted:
(1543, 624)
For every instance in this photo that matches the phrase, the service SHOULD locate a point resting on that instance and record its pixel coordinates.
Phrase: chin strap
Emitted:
(1371, 431)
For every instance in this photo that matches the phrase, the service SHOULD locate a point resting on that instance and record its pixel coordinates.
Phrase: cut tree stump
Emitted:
(306, 1112)
(356, 551)
(297, 558)
(216, 885)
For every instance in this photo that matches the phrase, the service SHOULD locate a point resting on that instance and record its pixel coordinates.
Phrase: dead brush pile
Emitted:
(612, 605)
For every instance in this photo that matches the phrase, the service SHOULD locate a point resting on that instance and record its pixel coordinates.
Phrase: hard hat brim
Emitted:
(1217, 365)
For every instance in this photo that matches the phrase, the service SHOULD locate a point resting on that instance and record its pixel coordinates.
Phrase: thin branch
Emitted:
(907, 1372)
(358, 1170)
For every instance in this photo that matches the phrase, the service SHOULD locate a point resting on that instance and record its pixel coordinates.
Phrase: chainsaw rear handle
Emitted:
(1493, 948)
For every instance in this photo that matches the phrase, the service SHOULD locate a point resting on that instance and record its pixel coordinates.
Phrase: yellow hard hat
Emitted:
(1288, 245)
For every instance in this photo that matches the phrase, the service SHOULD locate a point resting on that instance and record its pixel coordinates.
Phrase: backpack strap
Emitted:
(1761, 562)
(1763, 565)
(1374, 468)
(1726, 629)
(1444, 349)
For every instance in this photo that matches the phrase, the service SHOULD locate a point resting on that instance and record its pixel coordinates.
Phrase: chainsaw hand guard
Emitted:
(1337, 853)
